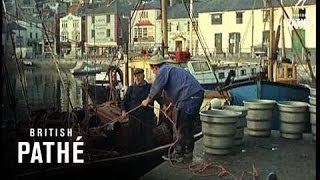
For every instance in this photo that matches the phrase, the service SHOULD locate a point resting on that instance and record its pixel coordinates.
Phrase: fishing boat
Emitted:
(281, 83)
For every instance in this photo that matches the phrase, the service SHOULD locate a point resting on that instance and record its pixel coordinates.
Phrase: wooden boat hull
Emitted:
(130, 166)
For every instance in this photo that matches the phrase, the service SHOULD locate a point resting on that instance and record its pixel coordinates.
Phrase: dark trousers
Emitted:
(186, 125)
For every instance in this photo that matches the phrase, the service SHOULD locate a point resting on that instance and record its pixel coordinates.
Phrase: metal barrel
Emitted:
(312, 110)
(312, 100)
(313, 92)
(292, 117)
(313, 120)
(218, 128)
(240, 124)
(259, 117)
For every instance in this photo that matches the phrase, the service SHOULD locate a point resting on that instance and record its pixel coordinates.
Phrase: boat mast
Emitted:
(271, 40)
(191, 25)
(164, 8)
(313, 78)
(283, 48)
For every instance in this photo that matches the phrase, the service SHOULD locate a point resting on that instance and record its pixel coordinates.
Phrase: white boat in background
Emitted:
(205, 73)
(85, 68)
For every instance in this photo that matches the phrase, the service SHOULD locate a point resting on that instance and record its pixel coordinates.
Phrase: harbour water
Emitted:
(43, 90)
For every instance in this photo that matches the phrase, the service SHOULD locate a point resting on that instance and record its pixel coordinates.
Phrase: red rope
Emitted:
(197, 169)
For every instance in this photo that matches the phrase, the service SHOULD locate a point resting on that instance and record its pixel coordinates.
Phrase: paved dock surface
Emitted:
(289, 159)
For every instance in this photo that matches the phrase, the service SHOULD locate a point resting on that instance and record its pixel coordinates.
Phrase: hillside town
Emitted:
(159, 89)
(81, 28)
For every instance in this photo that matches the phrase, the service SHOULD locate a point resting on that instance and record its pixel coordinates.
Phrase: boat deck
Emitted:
(289, 159)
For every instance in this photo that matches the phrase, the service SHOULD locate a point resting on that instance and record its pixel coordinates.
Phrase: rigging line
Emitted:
(296, 53)
(52, 53)
(24, 93)
(294, 28)
(207, 58)
(249, 21)
(20, 45)
(201, 43)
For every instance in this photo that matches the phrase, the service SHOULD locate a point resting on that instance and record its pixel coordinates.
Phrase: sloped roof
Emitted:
(154, 4)
(98, 8)
(179, 10)
(144, 23)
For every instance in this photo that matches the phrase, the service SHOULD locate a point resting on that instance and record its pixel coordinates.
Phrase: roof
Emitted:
(144, 23)
(179, 10)
(98, 8)
(154, 4)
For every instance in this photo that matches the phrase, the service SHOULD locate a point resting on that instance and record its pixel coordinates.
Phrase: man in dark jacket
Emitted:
(186, 94)
(142, 120)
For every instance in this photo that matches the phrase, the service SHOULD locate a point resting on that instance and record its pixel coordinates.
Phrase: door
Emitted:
(218, 42)
(296, 44)
(178, 45)
(234, 43)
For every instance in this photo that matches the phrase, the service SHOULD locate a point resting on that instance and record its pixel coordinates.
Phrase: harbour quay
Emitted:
(288, 159)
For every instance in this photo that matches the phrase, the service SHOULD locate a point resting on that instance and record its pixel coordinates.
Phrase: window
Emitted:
(239, 16)
(64, 24)
(299, 14)
(290, 72)
(76, 35)
(253, 71)
(92, 33)
(221, 75)
(145, 32)
(216, 18)
(30, 35)
(92, 19)
(144, 14)
(76, 23)
(266, 15)
(64, 36)
(200, 67)
(188, 28)
(139, 32)
(169, 27)
(36, 35)
(135, 32)
(108, 33)
(108, 18)
(243, 72)
(178, 26)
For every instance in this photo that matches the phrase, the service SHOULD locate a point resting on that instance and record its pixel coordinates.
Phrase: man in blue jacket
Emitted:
(186, 94)
(142, 120)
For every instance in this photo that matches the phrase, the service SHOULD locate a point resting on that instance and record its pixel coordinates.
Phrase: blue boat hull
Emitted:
(269, 90)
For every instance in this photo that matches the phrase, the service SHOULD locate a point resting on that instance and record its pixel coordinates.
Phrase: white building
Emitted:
(143, 26)
(103, 32)
(231, 28)
(70, 35)
(239, 28)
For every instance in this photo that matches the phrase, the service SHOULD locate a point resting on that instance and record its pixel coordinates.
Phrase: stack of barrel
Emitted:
(312, 110)
(259, 117)
(238, 139)
(292, 117)
(219, 129)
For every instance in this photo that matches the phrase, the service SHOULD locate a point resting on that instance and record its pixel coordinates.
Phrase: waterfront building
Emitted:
(143, 33)
(236, 29)
(70, 36)
(102, 28)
